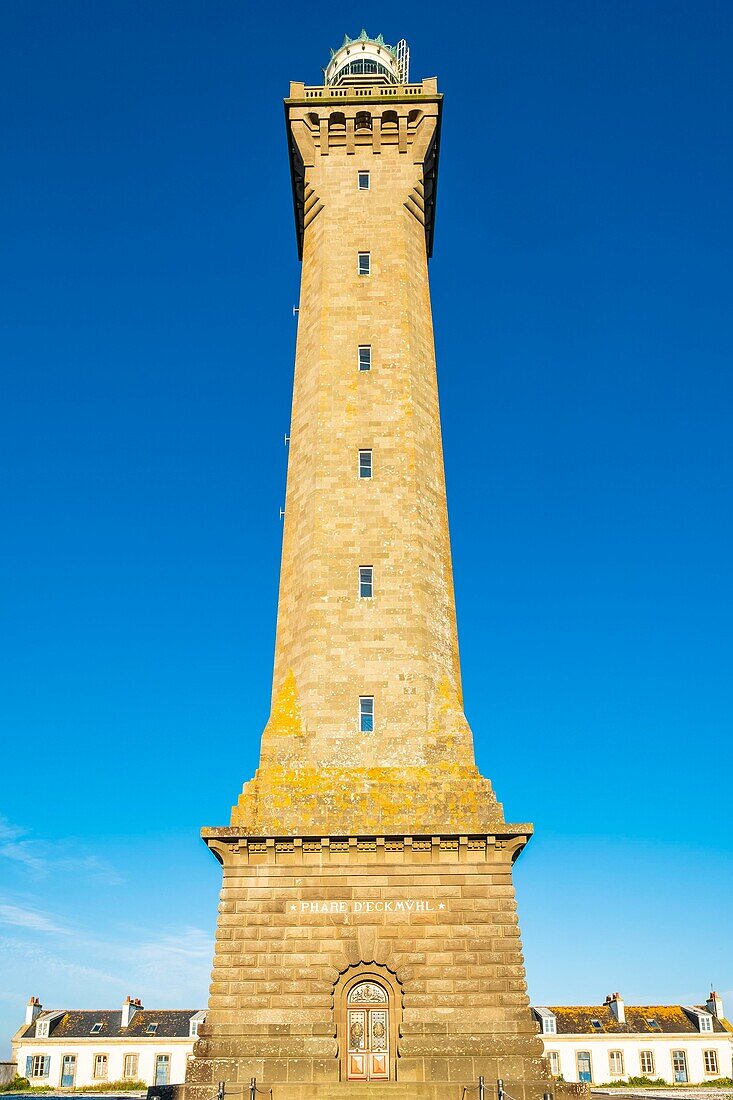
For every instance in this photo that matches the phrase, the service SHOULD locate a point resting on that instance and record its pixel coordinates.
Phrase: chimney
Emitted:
(715, 1005)
(32, 1010)
(129, 1009)
(616, 1003)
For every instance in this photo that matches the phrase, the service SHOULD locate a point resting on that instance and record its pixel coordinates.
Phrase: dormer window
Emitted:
(548, 1021)
(151, 1029)
(706, 1022)
(42, 1029)
(195, 1023)
(96, 1028)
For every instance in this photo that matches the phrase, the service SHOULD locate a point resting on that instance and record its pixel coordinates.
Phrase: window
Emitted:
(151, 1029)
(653, 1023)
(583, 1062)
(42, 1029)
(364, 181)
(100, 1066)
(96, 1028)
(616, 1062)
(366, 714)
(365, 357)
(549, 1025)
(365, 263)
(554, 1058)
(679, 1067)
(162, 1068)
(706, 1023)
(366, 581)
(596, 1024)
(365, 463)
(710, 1057)
(129, 1066)
(646, 1062)
(38, 1065)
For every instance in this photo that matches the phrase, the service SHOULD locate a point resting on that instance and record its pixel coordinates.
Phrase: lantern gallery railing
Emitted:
(378, 91)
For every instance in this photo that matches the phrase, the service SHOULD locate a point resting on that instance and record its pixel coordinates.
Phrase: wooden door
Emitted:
(367, 1026)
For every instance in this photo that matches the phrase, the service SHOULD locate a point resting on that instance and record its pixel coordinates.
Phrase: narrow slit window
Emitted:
(366, 581)
(365, 357)
(366, 714)
(364, 181)
(365, 464)
(365, 263)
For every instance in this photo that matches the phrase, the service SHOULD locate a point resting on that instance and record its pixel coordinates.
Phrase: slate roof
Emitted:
(671, 1020)
(173, 1023)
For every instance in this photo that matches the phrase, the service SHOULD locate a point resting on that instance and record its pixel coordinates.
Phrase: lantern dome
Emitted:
(364, 60)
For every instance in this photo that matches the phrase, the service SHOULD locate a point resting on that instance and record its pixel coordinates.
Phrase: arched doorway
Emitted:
(367, 1032)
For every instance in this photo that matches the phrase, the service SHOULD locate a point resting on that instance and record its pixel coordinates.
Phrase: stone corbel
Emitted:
(303, 138)
(423, 137)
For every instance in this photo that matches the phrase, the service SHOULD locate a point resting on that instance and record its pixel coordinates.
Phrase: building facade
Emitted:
(596, 1044)
(67, 1048)
(367, 925)
(602, 1044)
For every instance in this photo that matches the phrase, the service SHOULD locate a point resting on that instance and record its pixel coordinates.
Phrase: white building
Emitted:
(595, 1043)
(63, 1047)
(609, 1043)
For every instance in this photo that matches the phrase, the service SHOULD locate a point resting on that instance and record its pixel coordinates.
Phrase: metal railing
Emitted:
(501, 1092)
(480, 1088)
(252, 1089)
(379, 91)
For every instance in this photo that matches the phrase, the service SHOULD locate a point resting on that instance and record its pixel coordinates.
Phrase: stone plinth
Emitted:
(431, 918)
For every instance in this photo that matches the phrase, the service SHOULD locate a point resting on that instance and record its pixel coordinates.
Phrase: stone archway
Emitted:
(367, 1006)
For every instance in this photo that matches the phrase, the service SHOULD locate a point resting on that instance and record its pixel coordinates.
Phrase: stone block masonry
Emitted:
(367, 936)
(431, 918)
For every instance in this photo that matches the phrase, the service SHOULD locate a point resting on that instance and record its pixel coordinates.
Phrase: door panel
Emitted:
(378, 1044)
(679, 1065)
(68, 1070)
(357, 1025)
(584, 1070)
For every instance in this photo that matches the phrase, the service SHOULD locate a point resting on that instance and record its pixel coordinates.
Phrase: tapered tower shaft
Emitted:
(367, 683)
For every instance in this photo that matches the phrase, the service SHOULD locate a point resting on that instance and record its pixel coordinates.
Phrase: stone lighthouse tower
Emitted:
(367, 928)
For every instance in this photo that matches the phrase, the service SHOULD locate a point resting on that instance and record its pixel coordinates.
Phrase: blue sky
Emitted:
(582, 295)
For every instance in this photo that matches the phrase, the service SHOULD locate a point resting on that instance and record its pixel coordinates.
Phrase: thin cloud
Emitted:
(54, 964)
(8, 831)
(42, 858)
(33, 919)
(167, 967)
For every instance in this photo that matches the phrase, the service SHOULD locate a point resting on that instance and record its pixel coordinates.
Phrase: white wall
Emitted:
(661, 1046)
(115, 1049)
